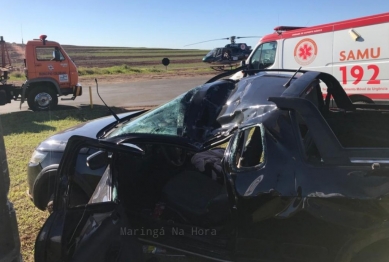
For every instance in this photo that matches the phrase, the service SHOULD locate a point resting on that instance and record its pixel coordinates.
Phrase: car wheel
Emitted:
(42, 98)
(43, 189)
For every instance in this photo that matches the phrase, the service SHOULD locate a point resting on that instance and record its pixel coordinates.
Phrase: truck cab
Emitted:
(50, 73)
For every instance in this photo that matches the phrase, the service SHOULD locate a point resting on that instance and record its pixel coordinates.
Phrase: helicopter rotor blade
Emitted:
(238, 37)
(226, 38)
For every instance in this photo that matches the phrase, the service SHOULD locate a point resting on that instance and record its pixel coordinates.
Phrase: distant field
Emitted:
(92, 60)
(88, 56)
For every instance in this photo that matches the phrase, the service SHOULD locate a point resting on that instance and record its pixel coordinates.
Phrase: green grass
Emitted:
(75, 51)
(128, 70)
(125, 69)
(22, 133)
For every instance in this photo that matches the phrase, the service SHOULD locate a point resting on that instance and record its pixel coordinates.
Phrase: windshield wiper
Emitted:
(106, 130)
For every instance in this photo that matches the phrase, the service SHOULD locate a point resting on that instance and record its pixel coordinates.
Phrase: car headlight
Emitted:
(37, 157)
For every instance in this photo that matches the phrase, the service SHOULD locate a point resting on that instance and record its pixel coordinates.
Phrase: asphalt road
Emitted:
(126, 94)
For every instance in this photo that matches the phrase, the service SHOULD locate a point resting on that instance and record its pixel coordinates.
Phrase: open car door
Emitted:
(82, 224)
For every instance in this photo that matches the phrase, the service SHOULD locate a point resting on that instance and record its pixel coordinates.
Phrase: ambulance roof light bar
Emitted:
(43, 38)
(280, 29)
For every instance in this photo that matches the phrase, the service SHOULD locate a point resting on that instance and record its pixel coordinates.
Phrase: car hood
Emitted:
(90, 129)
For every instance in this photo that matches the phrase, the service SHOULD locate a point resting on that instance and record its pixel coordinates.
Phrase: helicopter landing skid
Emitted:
(226, 67)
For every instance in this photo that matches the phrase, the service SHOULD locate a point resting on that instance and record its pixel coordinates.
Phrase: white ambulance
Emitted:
(355, 51)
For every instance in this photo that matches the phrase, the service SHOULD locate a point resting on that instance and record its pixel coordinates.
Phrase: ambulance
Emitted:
(355, 51)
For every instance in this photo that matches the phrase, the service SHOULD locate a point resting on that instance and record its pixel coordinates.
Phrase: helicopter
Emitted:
(228, 56)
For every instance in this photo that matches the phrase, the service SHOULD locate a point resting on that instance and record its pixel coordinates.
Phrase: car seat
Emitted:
(198, 198)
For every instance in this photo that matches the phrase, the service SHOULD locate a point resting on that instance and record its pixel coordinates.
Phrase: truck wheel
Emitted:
(42, 98)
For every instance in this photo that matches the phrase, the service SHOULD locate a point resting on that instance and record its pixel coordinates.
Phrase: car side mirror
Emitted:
(97, 160)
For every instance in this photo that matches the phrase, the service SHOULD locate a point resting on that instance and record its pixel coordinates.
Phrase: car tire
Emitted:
(43, 189)
(42, 98)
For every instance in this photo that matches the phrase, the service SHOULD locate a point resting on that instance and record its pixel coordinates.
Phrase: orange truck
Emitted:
(49, 71)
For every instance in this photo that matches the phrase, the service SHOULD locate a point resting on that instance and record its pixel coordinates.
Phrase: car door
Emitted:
(83, 226)
(260, 168)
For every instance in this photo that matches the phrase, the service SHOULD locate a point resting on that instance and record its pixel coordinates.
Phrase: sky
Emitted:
(169, 23)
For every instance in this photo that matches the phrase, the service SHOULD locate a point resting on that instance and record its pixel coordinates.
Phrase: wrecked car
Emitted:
(263, 169)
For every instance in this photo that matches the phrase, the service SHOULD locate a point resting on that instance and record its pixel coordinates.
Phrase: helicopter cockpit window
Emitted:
(212, 52)
(264, 55)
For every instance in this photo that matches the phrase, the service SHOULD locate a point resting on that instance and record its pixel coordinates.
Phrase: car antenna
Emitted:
(110, 110)
(287, 84)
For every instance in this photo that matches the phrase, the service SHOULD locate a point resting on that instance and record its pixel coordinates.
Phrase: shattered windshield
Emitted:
(165, 120)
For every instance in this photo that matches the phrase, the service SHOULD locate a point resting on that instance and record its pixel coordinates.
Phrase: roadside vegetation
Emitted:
(128, 70)
(125, 69)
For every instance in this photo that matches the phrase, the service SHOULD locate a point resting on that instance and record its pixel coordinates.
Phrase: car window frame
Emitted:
(234, 145)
